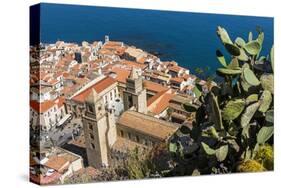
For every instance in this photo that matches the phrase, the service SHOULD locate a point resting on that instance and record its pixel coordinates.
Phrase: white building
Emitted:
(47, 114)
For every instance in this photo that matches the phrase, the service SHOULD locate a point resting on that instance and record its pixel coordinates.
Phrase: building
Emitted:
(99, 129)
(108, 138)
(157, 77)
(135, 93)
(106, 88)
(177, 112)
(52, 166)
(134, 54)
(120, 73)
(138, 130)
(180, 83)
(174, 70)
(47, 114)
(108, 141)
(41, 94)
(158, 105)
(153, 88)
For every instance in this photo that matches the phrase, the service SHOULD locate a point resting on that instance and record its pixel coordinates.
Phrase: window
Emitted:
(92, 136)
(137, 138)
(122, 133)
(99, 108)
(130, 100)
(93, 146)
(90, 126)
(90, 108)
(129, 135)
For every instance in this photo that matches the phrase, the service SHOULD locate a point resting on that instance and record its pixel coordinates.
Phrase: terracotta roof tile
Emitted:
(177, 79)
(41, 107)
(175, 68)
(61, 101)
(98, 87)
(46, 105)
(153, 86)
(147, 125)
(159, 102)
(57, 163)
(121, 74)
(133, 64)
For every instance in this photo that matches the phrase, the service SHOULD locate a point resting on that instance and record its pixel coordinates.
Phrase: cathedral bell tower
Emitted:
(99, 129)
(135, 93)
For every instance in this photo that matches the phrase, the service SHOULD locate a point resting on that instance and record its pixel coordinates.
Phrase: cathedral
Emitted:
(109, 138)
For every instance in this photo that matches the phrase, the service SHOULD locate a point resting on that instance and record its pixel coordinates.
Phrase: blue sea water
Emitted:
(188, 38)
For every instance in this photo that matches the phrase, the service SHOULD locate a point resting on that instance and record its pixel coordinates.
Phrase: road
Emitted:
(60, 136)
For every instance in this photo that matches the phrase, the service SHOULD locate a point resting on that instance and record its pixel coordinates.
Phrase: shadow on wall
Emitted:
(77, 150)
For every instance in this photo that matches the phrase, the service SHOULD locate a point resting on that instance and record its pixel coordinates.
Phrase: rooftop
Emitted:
(98, 87)
(135, 52)
(57, 163)
(175, 68)
(147, 125)
(177, 79)
(182, 99)
(153, 86)
(121, 73)
(159, 102)
(133, 64)
(46, 105)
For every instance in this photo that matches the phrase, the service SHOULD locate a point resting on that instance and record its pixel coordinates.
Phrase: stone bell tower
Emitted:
(99, 129)
(135, 93)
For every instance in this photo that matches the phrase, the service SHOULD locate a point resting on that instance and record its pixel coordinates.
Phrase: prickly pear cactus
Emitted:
(240, 109)
(233, 129)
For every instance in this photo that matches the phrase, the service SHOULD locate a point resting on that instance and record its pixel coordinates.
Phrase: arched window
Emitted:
(90, 108)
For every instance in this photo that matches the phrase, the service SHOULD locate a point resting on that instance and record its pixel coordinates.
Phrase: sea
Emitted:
(188, 38)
